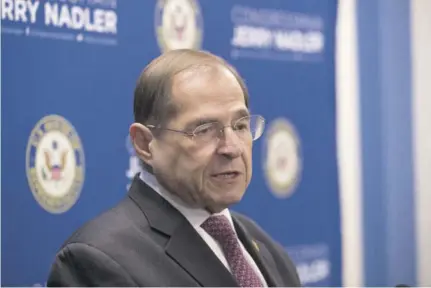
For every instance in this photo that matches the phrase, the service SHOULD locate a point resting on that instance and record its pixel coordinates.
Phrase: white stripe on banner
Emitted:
(421, 86)
(349, 144)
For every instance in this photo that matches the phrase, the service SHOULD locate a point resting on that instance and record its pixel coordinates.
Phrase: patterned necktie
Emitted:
(221, 230)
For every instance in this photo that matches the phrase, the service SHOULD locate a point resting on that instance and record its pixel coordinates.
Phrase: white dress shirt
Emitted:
(196, 217)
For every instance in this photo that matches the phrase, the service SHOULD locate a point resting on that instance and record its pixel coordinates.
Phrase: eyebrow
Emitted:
(202, 121)
(205, 120)
(242, 113)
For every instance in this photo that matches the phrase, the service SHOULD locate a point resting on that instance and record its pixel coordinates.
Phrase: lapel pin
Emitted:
(255, 245)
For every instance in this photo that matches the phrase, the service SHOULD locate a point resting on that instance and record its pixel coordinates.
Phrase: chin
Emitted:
(233, 199)
(220, 204)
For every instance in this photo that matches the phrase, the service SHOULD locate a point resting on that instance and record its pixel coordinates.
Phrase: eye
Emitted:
(243, 124)
(204, 129)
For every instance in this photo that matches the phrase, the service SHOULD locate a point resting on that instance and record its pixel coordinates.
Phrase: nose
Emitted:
(230, 145)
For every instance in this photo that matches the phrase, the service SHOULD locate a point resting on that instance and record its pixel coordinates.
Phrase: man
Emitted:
(194, 133)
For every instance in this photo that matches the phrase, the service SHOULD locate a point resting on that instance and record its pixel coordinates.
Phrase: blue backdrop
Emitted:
(69, 70)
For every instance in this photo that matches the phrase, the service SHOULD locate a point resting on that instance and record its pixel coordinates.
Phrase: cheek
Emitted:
(248, 161)
(195, 159)
(162, 158)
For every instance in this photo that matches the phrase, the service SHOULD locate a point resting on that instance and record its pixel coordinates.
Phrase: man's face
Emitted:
(195, 171)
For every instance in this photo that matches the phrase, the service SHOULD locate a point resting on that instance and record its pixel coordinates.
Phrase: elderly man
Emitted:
(194, 134)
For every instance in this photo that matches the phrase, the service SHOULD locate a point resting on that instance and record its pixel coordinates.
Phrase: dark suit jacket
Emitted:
(144, 241)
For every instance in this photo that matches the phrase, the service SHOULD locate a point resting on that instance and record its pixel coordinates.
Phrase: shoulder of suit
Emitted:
(111, 223)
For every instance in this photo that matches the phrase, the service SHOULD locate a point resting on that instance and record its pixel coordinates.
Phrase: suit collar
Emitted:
(160, 214)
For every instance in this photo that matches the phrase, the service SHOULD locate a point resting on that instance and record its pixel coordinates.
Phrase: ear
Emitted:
(141, 138)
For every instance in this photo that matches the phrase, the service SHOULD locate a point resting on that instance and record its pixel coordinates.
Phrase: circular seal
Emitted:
(282, 163)
(178, 24)
(55, 164)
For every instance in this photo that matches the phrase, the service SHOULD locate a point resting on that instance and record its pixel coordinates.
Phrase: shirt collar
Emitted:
(196, 216)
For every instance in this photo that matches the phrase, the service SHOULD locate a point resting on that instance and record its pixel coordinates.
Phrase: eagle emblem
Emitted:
(179, 22)
(55, 162)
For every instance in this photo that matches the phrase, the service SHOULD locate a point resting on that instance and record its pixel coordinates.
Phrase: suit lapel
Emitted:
(184, 246)
(260, 254)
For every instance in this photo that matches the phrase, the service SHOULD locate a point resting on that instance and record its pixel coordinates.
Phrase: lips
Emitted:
(227, 175)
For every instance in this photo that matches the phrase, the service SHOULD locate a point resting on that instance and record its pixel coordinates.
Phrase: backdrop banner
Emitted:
(69, 71)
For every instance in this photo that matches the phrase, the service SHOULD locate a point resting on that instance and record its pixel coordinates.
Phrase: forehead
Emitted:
(209, 89)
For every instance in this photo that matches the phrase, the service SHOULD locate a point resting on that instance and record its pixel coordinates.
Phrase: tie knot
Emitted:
(219, 228)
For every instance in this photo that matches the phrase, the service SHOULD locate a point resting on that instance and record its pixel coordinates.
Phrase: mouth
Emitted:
(227, 175)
